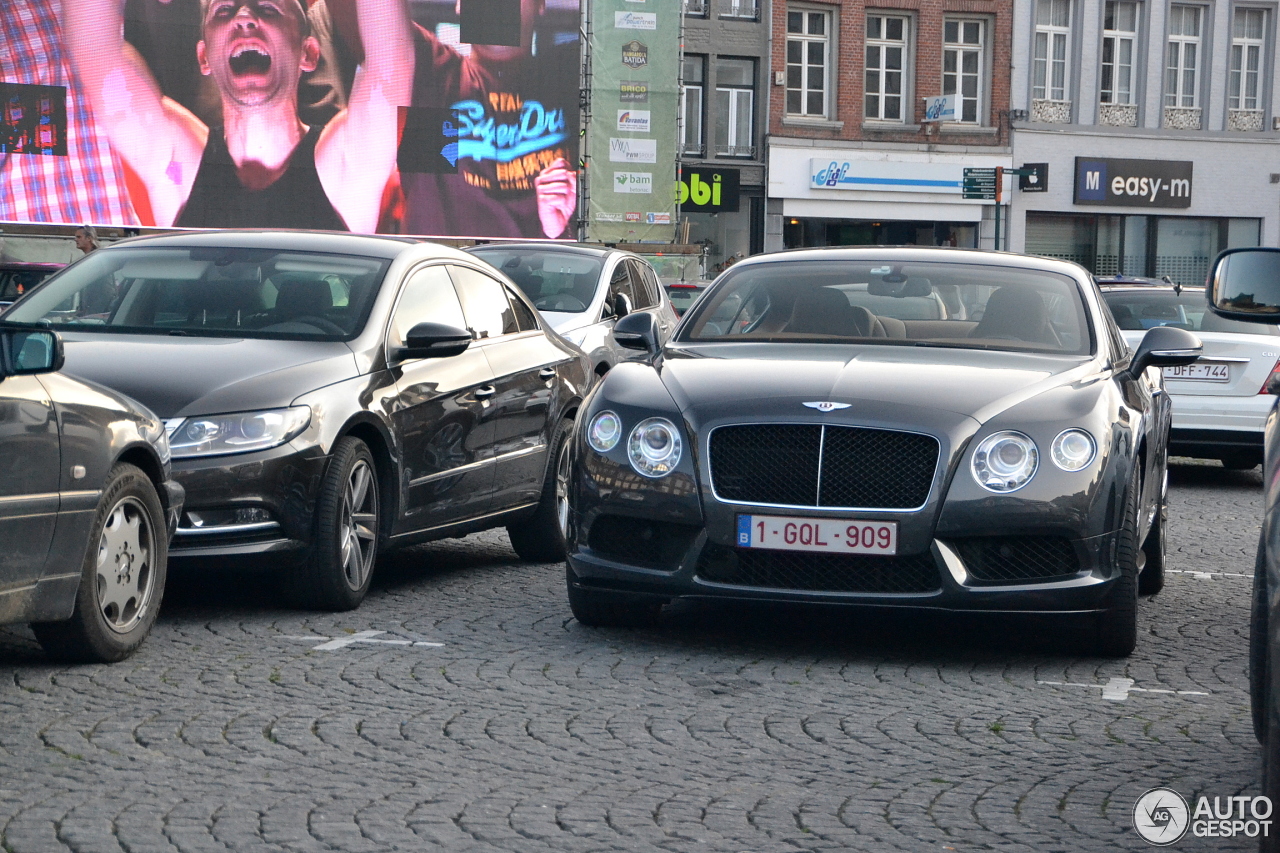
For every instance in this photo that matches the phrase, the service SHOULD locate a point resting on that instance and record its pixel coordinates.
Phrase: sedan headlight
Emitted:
(654, 447)
(1073, 449)
(1005, 461)
(243, 432)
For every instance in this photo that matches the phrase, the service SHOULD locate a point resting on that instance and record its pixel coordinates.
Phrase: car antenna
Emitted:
(1168, 279)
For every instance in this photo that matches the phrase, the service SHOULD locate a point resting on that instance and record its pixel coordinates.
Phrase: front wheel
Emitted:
(1116, 628)
(541, 537)
(1151, 579)
(337, 573)
(123, 576)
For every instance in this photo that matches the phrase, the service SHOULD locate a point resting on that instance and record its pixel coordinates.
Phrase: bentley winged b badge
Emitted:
(827, 406)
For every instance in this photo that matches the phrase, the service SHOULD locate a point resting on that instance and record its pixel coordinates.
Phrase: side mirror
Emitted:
(639, 332)
(434, 340)
(1164, 346)
(1244, 284)
(25, 352)
(621, 305)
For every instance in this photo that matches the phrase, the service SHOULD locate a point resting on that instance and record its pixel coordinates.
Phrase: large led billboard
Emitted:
(450, 118)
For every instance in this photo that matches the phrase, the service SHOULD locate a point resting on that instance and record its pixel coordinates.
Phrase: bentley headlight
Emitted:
(1073, 449)
(1005, 461)
(654, 447)
(604, 432)
(243, 432)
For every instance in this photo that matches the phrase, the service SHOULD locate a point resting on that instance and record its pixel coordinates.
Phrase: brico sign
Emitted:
(708, 191)
(1133, 183)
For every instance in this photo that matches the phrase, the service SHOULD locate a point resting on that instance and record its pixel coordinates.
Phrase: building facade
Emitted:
(1157, 122)
(852, 158)
(722, 127)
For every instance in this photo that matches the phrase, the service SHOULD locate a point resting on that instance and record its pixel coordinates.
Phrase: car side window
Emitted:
(525, 321)
(645, 295)
(427, 297)
(484, 303)
(620, 282)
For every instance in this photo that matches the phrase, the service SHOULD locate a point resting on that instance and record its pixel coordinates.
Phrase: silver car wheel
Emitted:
(358, 525)
(125, 568)
(562, 489)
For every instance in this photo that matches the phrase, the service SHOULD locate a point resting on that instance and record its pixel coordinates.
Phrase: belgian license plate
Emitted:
(831, 535)
(1199, 372)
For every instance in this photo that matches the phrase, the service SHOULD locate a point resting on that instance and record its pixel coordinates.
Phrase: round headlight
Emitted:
(654, 447)
(1073, 449)
(1005, 461)
(604, 432)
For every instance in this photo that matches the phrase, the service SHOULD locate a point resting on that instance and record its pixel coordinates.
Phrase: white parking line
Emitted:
(330, 644)
(1118, 689)
(1204, 576)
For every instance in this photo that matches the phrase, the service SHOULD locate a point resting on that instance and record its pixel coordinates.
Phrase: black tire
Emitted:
(597, 609)
(123, 577)
(1116, 633)
(1271, 779)
(338, 570)
(1151, 579)
(541, 537)
(1259, 682)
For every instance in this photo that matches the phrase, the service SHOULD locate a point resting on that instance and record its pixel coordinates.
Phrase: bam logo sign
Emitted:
(1133, 183)
(633, 182)
(708, 190)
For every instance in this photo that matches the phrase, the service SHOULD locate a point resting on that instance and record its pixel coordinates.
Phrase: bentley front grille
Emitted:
(1017, 559)
(816, 465)
(810, 572)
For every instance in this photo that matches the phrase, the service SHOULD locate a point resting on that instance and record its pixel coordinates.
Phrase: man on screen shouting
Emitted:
(263, 167)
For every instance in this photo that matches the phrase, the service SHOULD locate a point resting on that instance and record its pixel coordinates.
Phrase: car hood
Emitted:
(887, 383)
(182, 377)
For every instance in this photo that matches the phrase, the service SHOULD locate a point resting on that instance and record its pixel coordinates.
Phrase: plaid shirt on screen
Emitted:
(87, 185)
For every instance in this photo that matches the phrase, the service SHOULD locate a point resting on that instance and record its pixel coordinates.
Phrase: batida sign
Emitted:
(708, 191)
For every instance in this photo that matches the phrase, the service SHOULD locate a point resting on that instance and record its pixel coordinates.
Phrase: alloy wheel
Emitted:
(126, 576)
(358, 525)
(562, 489)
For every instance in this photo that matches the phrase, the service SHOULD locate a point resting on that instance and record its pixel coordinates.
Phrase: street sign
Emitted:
(980, 184)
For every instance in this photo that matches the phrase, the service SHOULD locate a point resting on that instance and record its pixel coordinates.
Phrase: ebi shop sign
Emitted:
(1133, 183)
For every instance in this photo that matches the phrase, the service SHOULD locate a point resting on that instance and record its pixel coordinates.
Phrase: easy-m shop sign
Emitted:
(1133, 183)
(877, 176)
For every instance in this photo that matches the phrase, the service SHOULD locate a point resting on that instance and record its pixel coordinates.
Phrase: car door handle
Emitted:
(546, 374)
(486, 391)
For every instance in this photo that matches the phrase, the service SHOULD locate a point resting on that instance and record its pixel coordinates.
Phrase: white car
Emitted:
(582, 291)
(1219, 407)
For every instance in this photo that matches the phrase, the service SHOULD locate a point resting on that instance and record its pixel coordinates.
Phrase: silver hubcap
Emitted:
(125, 570)
(562, 489)
(358, 525)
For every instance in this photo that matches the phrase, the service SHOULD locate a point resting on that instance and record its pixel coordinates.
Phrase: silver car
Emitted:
(583, 290)
(1219, 406)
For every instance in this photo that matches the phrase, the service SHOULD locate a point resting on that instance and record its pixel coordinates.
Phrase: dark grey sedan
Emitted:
(86, 505)
(329, 395)
(918, 428)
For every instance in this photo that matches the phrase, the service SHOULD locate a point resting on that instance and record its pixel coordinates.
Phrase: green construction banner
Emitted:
(635, 91)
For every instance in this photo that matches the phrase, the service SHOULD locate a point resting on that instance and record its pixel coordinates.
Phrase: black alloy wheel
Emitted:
(1116, 629)
(122, 578)
(339, 569)
(541, 537)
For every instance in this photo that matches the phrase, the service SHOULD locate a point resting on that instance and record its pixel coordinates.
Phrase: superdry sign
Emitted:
(1133, 183)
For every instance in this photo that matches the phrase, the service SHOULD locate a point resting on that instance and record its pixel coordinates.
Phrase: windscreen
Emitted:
(1139, 310)
(260, 293)
(969, 306)
(554, 281)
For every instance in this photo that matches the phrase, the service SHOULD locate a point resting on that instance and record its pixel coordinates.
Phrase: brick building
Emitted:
(851, 158)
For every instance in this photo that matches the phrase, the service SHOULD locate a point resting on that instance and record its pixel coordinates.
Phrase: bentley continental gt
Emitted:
(914, 428)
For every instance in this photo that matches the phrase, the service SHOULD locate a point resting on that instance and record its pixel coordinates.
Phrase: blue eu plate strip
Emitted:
(744, 530)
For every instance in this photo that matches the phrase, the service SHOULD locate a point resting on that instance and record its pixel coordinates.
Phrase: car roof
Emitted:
(9, 266)
(335, 242)
(1131, 287)
(918, 254)
(568, 248)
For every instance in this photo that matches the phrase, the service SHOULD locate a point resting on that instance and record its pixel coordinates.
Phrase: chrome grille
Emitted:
(820, 465)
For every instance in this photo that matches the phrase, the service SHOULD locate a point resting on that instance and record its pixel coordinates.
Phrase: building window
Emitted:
(1049, 65)
(1119, 37)
(808, 39)
(962, 66)
(1244, 82)
(735, 107)
(748, 9)
(886, 63)
(691, 100)
(1182, 75)
(696, 8)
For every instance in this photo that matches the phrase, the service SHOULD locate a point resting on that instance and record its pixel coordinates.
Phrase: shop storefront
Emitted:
(839, 197)
(721, 213)
(1147, 205)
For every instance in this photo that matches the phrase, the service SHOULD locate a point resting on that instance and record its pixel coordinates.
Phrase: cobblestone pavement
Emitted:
(243, 726)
